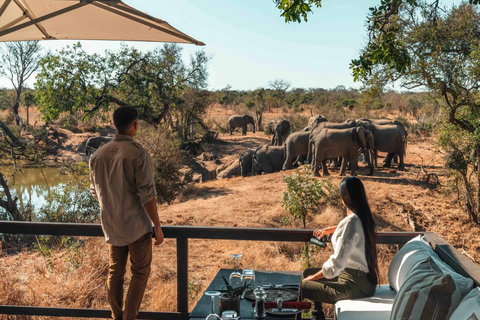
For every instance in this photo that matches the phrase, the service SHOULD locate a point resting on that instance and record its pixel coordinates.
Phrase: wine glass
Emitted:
(212, 315)
(248, 277)
(235, 277)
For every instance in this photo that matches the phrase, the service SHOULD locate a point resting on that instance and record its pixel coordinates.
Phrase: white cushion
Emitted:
(414, 252)
(469, 308)
(376, 307)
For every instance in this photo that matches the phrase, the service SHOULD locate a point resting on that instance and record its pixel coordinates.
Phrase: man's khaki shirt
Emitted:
(121, 176)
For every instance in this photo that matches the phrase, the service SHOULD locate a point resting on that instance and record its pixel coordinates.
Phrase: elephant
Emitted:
(237, 121)
(267, 159)
(245, 162)
(94, 143)
(319, 126)
(346, 143)
(296, 148)
(318, 118)
(280, 130)
(391, 139)
(384, 122)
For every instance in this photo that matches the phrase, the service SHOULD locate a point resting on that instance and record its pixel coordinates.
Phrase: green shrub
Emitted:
(72, 202)
(297, 122)
(305, 193)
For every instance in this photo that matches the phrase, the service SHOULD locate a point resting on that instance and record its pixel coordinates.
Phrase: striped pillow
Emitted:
(426, 294)
(469, 308)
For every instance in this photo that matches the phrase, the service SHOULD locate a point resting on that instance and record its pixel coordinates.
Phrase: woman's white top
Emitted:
(348, 243)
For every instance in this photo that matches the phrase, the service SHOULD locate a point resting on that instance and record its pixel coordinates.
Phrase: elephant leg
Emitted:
(301, 159)
(395, 158)
(388, 160)
(288, 163)
(324, 168)
(272, 142)
(375, 158)
(401, 166)
(354, 164)
(369, 159)
(344, 165)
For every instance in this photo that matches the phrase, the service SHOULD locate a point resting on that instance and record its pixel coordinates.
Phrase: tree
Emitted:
(153, 82)
(28, 99)
(260, 96)
(384, 44)
(19, 60)
(280, 86)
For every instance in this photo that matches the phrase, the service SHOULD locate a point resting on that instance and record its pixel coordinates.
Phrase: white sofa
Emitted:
(415, 255)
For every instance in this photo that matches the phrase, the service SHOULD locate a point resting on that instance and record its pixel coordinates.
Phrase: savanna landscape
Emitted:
(184, 127)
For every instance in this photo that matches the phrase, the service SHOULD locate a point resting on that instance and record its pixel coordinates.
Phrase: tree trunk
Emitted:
(11, 204)
(259, 120)
(9, 133)
(477, 208)
(28, 116)
(470, 205)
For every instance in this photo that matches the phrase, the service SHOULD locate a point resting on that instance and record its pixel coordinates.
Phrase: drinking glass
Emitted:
(212, 315)
(229, 315)
(235, 277)
(248, 277)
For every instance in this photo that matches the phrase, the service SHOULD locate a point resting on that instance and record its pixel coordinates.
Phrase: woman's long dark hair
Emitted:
(353, 194)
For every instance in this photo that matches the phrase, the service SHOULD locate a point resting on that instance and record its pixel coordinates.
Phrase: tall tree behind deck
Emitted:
(18, 61)
(153, 82)
(420, 44)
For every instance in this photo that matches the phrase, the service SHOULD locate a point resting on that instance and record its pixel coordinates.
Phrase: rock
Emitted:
(232, 170)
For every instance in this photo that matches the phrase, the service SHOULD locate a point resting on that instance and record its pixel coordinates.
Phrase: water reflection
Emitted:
(33, 185)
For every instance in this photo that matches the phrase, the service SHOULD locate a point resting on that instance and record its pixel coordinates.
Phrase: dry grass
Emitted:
(28, 278)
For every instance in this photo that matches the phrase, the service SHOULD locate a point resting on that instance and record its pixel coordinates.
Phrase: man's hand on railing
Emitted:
(158, 235)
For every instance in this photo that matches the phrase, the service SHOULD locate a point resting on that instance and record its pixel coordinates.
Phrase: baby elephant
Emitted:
(237, 121)
(94, 143)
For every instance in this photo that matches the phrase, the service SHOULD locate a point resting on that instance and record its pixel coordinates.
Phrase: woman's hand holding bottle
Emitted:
(320, 233)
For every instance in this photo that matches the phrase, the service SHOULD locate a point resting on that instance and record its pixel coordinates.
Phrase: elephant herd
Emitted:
(322, 141)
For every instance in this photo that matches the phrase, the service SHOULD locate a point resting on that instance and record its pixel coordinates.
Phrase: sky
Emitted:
(250, 44)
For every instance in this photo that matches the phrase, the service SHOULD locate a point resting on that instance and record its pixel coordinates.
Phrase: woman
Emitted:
(352, 271)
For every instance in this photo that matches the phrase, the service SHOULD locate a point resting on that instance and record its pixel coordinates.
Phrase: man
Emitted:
(122, 181)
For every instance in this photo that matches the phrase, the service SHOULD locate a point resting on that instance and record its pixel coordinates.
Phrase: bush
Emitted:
(297, 122)
(72, 202)
(168, 159)
(305, 193)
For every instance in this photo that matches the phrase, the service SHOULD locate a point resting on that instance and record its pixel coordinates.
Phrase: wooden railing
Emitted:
(182, 233)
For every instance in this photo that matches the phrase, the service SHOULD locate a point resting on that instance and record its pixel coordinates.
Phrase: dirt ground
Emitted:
(31, 278)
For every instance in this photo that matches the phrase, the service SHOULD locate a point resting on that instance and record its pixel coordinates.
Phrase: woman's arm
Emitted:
(317, 276)
(319, 233)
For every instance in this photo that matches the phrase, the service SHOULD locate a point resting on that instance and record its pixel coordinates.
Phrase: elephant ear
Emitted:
(361, 137)
(370, 141)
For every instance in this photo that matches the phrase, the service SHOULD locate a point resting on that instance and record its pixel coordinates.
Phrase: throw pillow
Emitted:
(426, 294)
(469, 308)
(414, 252)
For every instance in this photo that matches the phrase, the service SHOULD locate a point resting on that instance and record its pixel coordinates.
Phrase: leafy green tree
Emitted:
(153, 82)
(18, 61)
(421, 44)
(385, 45)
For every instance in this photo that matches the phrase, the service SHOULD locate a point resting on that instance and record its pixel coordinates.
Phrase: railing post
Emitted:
(182, 275)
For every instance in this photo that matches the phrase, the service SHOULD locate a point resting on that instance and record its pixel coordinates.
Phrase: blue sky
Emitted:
(250, 44)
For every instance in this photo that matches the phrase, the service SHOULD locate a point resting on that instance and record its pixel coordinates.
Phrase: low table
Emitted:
(204, 305)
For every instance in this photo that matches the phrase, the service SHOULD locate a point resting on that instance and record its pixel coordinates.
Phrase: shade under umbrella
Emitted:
(22, 20)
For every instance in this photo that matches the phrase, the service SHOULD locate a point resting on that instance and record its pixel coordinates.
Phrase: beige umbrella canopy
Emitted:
(22, 20)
